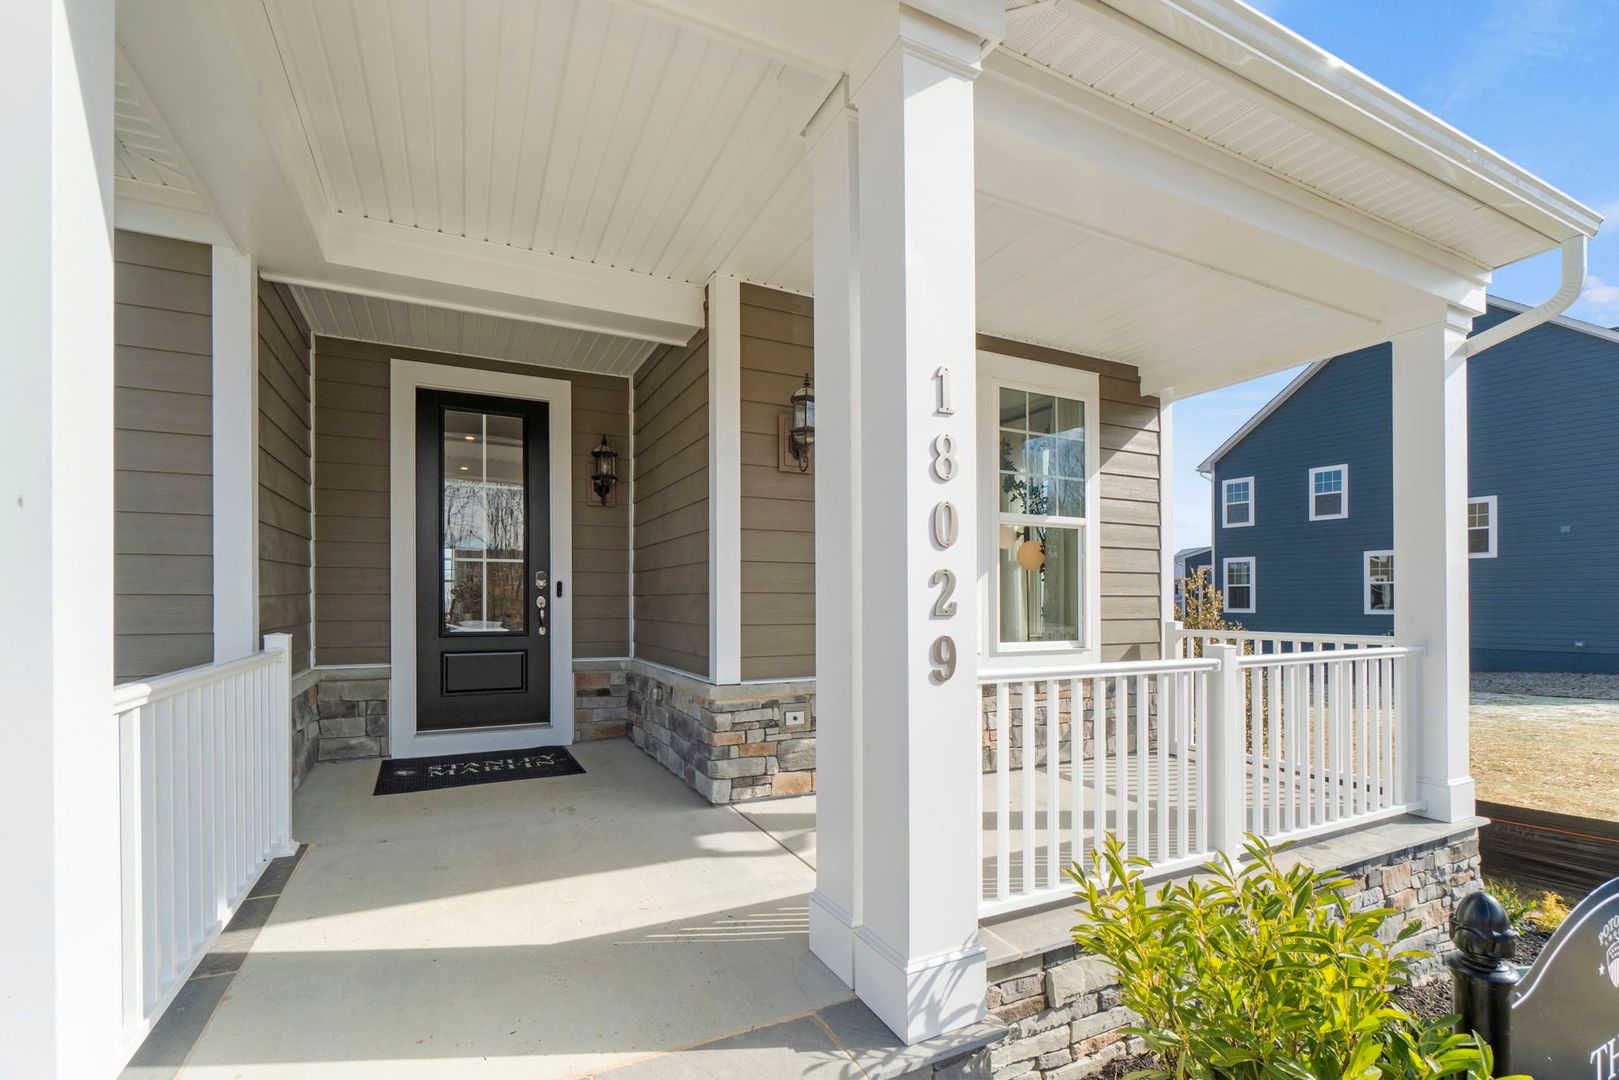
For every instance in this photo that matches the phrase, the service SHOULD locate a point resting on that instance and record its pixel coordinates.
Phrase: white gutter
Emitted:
(1562, 299)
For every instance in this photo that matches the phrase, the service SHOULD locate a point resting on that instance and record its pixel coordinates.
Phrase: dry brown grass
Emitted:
(1556, 754)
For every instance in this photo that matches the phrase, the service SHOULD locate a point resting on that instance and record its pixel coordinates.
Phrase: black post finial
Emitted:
(1483, 972)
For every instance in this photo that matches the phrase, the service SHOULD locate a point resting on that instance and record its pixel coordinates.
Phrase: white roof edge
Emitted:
(1234, 35)
(1206, 467)
(1564, 321)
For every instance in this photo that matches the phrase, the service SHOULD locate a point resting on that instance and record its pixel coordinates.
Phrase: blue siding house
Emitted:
(1303, 524)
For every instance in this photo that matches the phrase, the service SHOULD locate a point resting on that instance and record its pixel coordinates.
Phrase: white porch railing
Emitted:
(1180, 758)
(1183, 642)
(206, 794)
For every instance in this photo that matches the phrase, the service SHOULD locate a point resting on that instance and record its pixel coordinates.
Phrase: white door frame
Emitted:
(405, 377)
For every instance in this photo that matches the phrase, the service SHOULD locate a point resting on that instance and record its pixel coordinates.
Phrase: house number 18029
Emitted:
(946, 528)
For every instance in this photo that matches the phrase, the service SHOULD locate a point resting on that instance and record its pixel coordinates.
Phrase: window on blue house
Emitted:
(1237, 502)
(1380, 583)
(1329, 492)
(1239, 585)
(1481, 527)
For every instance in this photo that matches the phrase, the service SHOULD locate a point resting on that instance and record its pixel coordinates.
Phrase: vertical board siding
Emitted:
(1542, 409)
(670, 477)
(1131, 480)
(778, 508)
(163, 611)
(351, 501)
(286, 503)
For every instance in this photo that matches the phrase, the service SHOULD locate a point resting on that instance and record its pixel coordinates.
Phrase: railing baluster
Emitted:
(1143, 772)
(1053, 791)
(1256, 750)
(1028, 786)
(1121, 761)
(1161, 710)
(1273, 731)
(1099, 702)
(1003, 794)
(1076, 771)
(1183, 728)
(1200, 737)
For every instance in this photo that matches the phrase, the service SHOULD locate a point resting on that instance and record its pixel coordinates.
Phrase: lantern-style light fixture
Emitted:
(603, 469)
(802, 435)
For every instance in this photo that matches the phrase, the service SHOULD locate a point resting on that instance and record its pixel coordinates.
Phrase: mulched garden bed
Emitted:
(1431, 1000)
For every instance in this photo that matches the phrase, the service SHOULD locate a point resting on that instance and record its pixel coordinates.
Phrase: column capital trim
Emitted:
(916, 33)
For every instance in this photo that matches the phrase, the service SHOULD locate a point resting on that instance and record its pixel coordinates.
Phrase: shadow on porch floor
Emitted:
(544, 928)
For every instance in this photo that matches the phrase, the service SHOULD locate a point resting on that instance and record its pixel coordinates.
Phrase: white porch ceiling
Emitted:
(1057, 284)
(421, 326)
(1123, 61)
(583, 129)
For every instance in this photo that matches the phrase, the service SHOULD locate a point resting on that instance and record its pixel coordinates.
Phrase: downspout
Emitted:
(1567, 293)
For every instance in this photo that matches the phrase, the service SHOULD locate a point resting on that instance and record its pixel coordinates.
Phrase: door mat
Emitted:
(400, 775)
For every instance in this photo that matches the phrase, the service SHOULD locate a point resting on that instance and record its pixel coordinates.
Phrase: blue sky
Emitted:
(1535, 80)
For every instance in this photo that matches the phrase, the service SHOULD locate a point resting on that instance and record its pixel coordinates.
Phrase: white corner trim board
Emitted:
(405, 376)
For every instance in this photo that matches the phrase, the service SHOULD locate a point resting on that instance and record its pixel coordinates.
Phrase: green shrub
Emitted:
(1262, 972)
(1519, 904)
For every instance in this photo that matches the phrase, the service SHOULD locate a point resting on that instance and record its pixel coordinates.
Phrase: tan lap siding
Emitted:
(351, 501)
(163, 614)
(778, 508)
(1128, 433)
(285, 499)
(671, 507)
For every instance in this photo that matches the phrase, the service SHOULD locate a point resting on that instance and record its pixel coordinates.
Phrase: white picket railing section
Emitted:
(1079, 753)
(1328, 737)
(1183, 642)
(206, 796)
(1182, 758)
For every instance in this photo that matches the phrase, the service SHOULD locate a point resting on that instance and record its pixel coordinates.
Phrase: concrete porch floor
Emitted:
(544, 928)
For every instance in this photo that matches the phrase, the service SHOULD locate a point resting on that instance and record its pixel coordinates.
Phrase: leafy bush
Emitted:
(1519, 904)
(1202, 606)
(1262, 972)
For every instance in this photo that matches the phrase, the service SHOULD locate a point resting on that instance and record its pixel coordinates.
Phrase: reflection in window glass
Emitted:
(485, 523)
(1042, 503)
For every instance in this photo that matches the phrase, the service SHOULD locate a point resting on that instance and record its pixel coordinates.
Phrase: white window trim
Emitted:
(1493, 551)
(1253, 508)
(1253, 584)
(1309, 492)
(1366, 584)
(996, 370)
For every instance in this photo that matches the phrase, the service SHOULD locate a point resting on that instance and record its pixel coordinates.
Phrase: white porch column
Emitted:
(59, 927)
(834, 907)
(725, 479)
(235, 320)
(918, 963)
(1430, 555)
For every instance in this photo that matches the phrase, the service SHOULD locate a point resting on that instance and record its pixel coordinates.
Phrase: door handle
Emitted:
(539, 602)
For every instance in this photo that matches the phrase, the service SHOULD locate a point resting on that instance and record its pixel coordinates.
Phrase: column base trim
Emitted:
(831, 936)
(921, 997)
(1446, 800)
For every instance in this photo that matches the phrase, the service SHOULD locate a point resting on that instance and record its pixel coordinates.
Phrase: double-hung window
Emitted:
(1237, 502)
(1329, 492)
(1481, 527)
(1379, 582)
(1239, 585)
(1040, 501)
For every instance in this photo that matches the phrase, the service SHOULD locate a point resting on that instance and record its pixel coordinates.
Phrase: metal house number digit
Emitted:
(945, 581)
(947, 405)
(946, 523)
(944, 458)
(943, 658)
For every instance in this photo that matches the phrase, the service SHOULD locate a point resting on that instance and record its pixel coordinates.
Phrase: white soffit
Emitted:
(332, 313)
(585, 129)
(1125, 62)
(141, 149)
(1056, 284)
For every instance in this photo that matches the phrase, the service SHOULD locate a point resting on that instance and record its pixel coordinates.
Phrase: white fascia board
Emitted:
(1206, 467)
(566, 292)
(1050, 145)
(1267, 54)
(141, 208)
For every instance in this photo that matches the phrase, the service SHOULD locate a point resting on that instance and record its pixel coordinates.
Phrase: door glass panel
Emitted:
(485, 523)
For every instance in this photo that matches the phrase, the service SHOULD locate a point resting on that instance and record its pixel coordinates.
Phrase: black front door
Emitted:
(483, 556)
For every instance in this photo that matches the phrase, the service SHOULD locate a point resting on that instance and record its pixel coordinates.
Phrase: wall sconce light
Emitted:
(802, 434)
(604, 469)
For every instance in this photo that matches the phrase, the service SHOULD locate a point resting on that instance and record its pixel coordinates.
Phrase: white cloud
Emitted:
(1600, 295)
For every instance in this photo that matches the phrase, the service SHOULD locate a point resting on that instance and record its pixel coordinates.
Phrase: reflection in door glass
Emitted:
(485, 523)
